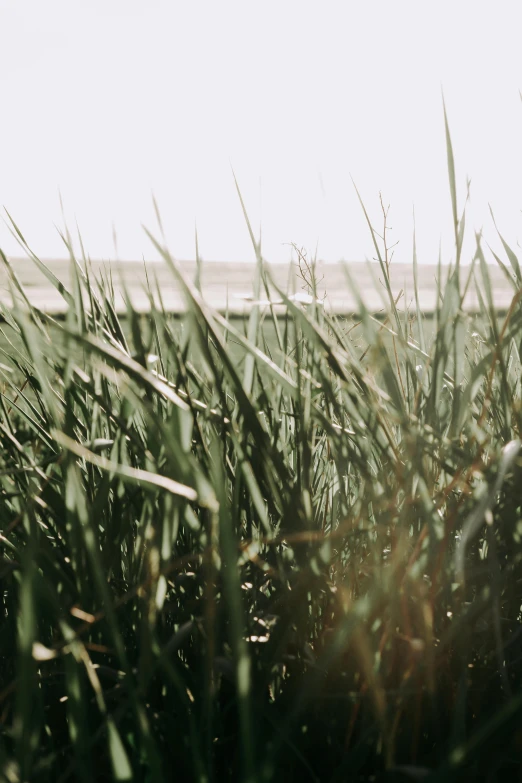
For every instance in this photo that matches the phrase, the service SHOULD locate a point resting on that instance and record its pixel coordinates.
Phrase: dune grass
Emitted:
(300, 562)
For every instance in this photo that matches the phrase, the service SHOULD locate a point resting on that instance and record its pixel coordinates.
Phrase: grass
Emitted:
(300, 560)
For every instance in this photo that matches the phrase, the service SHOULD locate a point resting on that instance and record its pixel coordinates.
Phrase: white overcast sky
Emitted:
(109, 101)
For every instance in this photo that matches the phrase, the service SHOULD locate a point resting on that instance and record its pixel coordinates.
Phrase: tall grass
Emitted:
(233, 557)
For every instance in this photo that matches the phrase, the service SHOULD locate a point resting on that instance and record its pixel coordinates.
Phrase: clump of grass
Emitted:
(292, 552)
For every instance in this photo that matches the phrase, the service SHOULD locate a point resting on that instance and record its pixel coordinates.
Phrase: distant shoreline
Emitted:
(226, 286)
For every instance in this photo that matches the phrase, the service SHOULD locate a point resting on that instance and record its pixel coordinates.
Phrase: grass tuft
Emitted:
(290, 551)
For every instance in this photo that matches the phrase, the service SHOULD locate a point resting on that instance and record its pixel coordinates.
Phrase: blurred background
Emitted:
(111, 101)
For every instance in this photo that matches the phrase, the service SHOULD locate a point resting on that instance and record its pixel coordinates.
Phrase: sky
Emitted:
(107, 103)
